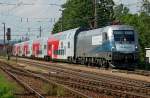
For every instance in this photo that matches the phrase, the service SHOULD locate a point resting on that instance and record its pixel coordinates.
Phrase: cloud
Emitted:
(39, 9)
(117, 1)
(133, 5)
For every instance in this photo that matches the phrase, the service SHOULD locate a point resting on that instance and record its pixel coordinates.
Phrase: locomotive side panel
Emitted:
(103, 46)
(93, 46)
(91, 43)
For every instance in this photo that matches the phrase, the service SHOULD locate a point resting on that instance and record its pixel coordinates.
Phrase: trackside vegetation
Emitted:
(6, 87)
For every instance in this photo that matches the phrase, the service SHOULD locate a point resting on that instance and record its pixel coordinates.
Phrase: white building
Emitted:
(147, 55)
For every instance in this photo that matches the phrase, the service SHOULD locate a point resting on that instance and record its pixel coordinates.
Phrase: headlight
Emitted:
(136, 48)
(113, 48)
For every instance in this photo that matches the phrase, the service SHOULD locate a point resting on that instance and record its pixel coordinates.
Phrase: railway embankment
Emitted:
(37, 86)
(96, 83)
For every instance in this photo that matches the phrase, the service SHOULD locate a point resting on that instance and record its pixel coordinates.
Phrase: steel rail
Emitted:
(73, 92)
(86, 74)
(25, 85)
(124, 93)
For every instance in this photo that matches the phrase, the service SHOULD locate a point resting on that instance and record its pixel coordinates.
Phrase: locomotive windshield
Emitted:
(124, 35)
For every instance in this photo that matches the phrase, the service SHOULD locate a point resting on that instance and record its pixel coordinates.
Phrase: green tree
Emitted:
(80, 13)
(120, 11)
(146, 6)
(105, 12)
(141, 24)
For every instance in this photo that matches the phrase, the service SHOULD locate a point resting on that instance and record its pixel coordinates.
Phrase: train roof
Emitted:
(117, 27)
(147, 48)
(71, 32)
(64, 34)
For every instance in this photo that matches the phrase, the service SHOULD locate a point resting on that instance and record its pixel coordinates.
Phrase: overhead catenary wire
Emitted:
(48, 20)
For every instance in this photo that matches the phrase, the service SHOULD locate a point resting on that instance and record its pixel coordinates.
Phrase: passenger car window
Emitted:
(68, 44)
(61, 44)
(44, 46)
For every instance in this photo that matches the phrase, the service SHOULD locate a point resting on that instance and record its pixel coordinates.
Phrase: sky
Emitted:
(26, 16)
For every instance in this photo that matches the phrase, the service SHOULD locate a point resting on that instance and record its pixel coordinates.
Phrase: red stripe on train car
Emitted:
(53, 45)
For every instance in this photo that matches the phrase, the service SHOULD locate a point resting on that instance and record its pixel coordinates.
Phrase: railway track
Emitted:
(59, 68)
(96, 83)
(139, 72)
(31, 92)
(33, 82)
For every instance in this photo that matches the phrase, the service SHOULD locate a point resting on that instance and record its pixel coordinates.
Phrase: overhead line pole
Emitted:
(4, 33)
(40, 31)
(62, 22)
(62, 19)
(95, 13)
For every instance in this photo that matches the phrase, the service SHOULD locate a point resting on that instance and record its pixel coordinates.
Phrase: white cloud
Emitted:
(39, 9)
(117, 1)
(133, 5)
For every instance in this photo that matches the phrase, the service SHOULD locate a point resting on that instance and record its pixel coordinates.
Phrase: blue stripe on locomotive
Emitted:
(105, 47)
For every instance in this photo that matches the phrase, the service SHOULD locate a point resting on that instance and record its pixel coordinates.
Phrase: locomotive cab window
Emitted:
(124, 35)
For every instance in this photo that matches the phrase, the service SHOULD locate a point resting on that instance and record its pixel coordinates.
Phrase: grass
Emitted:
(54, 90)
(6, 87)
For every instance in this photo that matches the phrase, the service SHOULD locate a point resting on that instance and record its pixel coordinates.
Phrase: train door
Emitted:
(36, 50)
(25, 49)
(50, 50)
(53, 48)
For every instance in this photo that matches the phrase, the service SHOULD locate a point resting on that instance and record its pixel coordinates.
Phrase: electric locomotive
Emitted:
(115, 45)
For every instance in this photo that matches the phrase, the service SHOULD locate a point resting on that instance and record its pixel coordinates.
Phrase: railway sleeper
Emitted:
(128, 89)
(41, 78)
(145, 91)
(118, 87)
(131, 89)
